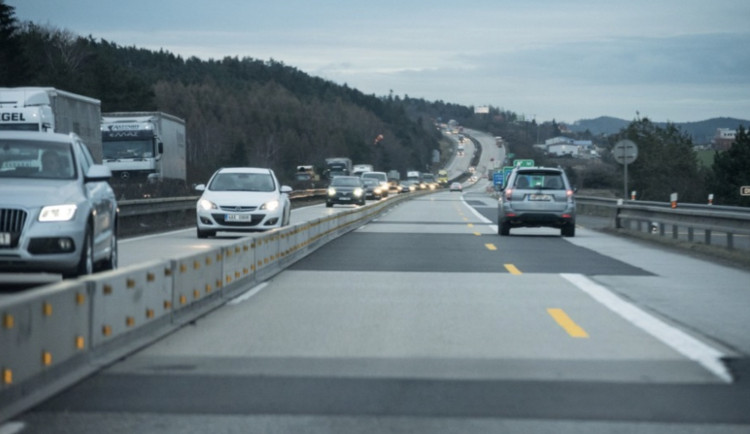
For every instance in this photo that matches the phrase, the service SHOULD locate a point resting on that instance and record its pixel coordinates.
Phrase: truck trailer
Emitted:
(338, 166)
(140, 146)
(51, 110)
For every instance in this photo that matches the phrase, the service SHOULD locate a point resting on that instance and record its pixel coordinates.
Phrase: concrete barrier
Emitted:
(51, 337)
(42, 337)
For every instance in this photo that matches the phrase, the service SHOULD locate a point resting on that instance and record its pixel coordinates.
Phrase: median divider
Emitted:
(44, 336)
(198, 281)
(238, 266)
(53, 336)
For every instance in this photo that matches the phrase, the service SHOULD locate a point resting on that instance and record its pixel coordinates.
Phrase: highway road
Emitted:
(425, 320)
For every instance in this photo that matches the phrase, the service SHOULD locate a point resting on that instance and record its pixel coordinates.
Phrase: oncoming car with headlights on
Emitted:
(347, 190)
(242, 199)
(58, 213)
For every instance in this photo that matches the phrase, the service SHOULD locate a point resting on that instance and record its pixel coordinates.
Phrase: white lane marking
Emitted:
(476, 213)
(246, 296)
(708, 357)
(12, 427)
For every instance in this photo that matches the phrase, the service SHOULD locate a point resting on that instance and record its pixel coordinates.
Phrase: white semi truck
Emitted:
(140, 146)
(51, 110)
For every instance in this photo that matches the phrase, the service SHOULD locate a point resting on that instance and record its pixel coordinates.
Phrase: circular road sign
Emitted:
(625, 151)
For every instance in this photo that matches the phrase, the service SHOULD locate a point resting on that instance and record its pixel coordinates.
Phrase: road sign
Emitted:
(523, 163)
(625, 151)
(497, 179)
(745, 190)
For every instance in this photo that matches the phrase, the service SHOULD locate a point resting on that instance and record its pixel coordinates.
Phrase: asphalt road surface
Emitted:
(425, 320)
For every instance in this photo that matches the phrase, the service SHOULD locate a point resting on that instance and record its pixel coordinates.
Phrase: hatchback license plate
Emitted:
(540, 197)
(4, 238)
(238, 217)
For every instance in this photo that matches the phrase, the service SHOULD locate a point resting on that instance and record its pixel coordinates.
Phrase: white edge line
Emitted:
(12, 427)
(707, 356)
(247, 295)
(482, 218)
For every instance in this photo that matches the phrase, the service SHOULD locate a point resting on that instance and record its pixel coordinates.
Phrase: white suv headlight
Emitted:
(57, 213)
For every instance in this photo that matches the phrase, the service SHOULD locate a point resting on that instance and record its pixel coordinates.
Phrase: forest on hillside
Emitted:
(250, 112)
(245, 112)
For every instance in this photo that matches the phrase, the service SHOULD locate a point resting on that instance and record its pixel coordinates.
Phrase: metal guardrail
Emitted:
(719, 226)
(138, 216)
(133, 207)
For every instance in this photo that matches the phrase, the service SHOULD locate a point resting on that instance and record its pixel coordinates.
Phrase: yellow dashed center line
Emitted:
(512, 269)
(490, 246)
(477, 234)
(564, 321)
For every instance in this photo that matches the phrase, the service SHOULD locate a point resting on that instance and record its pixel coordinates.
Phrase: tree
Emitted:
(13, 63)
(731, 170)
(666, 163)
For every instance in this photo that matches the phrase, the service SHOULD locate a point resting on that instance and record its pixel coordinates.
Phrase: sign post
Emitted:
(625, 152)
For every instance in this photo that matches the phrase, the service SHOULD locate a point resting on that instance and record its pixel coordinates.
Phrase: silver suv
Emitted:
(535, 197)
(58, 214)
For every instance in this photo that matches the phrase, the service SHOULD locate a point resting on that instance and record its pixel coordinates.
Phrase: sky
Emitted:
(668, 60)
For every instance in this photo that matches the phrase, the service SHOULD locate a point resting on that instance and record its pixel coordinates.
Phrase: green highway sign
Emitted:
(523, 163)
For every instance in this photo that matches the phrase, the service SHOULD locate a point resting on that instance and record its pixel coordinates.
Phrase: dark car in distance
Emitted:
(348, 190)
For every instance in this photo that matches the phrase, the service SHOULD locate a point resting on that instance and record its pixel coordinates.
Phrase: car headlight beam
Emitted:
(270, 206)
(58, 213)
(207, 205)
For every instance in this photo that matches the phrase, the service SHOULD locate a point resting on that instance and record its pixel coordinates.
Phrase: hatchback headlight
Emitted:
(57, 213)
(358, 192)
(270, 206)
(331, 191)
(207, 205)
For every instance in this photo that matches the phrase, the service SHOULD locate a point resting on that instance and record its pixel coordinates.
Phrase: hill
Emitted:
(701, 132)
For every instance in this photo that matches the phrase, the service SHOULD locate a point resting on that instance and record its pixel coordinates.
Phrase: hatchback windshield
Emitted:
(233, 181)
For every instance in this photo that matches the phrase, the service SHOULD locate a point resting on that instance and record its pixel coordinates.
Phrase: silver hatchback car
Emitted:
(58, 214)
(535, 197)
